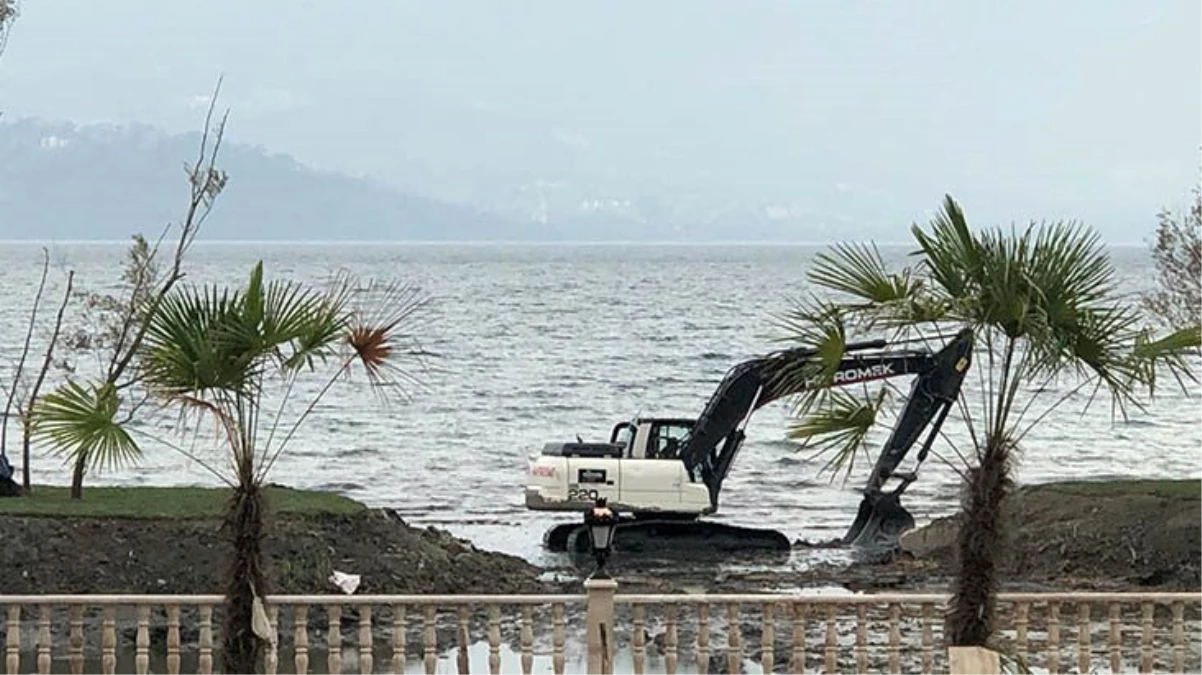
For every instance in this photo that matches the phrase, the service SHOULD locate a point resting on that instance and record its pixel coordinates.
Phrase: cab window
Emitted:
(666, 440)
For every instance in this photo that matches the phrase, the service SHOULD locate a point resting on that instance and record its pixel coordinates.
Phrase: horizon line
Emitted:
(505, 242)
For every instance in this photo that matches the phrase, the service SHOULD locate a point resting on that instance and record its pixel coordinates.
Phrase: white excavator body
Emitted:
(638, 472)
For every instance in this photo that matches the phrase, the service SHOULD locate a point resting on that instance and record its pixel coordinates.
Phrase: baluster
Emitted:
(142, 641)
(832, 640)
(12, 641)
(205, 660)
(557, 622)
(894, 637)
(204, 663)
(703, 638)
(334, 639)
(108, 641)
(862, 638)
(928, 637)
(300, 639)
(462, 637)
(1083, 637)
(271, 659)
(527, 636)
(798, 618)
(639, 639)
(430, 638)
(494, 639)
(734, 640)
(768, 639)
(173, 657)
(399, 637)
(76, 639)
(367, 661)
(1116, 637)
(1053, 637)
(1145, 642)
(1178, 637)
(44, 639)
(670, 641)
(1022, 613)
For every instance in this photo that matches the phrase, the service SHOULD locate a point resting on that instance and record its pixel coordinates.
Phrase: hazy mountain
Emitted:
(64, 181)
(61, 181)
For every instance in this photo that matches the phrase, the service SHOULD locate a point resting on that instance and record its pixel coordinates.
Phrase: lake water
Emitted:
(536, 343)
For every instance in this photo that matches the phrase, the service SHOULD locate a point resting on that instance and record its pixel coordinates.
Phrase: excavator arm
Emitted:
(710, 449)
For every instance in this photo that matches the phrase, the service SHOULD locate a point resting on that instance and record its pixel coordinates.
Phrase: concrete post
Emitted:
(973, 660)
(599, 624)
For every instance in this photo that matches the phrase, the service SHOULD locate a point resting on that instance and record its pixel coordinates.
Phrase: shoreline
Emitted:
(1103, 535)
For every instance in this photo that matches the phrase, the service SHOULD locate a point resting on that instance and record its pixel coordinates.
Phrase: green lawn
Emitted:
(166, 502)
(1168, 489)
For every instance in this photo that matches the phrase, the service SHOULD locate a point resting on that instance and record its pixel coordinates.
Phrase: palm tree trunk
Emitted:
(81, 464)
(241, 648)
(979, 543)
(26, 429)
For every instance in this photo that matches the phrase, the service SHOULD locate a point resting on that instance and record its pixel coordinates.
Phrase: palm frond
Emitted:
(839, 425)
(382, 336)
(82, 421)
(820, 330)
(950, 253)
(859, 271)
(195, 344)
(1150, 355)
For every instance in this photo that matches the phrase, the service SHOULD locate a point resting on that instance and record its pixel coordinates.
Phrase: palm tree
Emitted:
(1043, 306)
(217, 355)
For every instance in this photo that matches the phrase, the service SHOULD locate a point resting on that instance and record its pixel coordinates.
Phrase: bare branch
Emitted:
(33, 318)
(206, 183)
(8, 14)
(31, 399)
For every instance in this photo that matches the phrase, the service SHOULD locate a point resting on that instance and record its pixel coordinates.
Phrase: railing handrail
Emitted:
(328, 599)
(624, 598)
(901, 598)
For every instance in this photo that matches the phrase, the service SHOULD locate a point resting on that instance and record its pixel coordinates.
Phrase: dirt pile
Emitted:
(127, 555)
(1088, 534)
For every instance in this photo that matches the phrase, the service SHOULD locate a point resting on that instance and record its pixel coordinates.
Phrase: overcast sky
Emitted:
(1085, 108)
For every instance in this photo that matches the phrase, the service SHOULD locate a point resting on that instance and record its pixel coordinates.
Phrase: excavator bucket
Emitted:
(880, 522)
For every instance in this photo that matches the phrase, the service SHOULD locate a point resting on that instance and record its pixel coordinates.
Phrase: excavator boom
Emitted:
(710, 449)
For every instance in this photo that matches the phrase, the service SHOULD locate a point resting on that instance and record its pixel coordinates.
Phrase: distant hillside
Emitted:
(60, 181)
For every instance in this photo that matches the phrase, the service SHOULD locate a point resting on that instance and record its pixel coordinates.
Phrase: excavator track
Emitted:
(652, 536)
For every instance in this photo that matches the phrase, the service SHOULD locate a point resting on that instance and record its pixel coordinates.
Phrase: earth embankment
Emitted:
(1119, 533)
(124, 543)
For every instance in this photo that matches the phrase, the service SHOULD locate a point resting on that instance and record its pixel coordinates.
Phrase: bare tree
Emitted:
(9, 488)
(31, 397)
(83, 421)
(8, 14)
(1177, 254)
(33, 320)
(20, 395)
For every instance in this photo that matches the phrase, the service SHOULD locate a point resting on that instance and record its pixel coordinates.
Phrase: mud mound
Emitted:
(127, 555)
(1121, 533)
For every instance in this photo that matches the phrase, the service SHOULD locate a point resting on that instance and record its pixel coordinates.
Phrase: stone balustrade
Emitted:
(897, 632)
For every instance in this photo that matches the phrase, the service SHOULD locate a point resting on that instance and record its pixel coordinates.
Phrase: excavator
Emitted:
(663, 475)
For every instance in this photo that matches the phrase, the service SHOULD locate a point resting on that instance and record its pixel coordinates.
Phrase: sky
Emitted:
(1085, 109)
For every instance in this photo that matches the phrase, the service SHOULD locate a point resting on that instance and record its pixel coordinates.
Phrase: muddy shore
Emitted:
(1127, 534)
